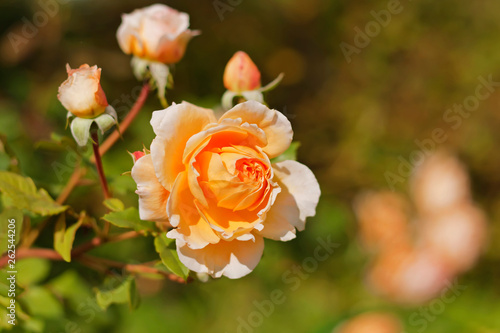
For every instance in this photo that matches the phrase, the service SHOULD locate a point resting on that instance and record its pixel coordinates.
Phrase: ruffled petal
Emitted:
(152, 195)
(233, 259)
(191, 227)
(298, 199)
(173, 127)
(276, 126)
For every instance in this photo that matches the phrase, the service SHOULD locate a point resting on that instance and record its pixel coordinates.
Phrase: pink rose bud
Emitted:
(157, 32)
(136, 155)
(82, 94)
(241, 74)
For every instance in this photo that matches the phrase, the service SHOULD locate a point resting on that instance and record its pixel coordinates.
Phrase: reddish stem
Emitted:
(133, 268)
(90, 261)
(134, 111)
(98, 163)
(53, 255)
(97, 241)
(79, 172)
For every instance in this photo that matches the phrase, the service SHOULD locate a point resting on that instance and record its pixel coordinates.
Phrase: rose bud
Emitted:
(157, 33)
(241, 74)
(136, 155)
(242, 81)
(81, 94)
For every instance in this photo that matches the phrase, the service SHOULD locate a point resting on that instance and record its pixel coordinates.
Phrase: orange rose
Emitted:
(82, 94)
(214, 182)
(157, 33)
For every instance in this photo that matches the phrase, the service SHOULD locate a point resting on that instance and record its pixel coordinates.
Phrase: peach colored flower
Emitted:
(457, 236)
(214, 181)
(383, 220)
(439, 183)
(446, 237)
(82, 94)
(157, 33)
(241, 74)
(408, 275)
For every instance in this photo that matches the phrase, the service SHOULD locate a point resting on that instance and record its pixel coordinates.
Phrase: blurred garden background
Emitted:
(356, 118)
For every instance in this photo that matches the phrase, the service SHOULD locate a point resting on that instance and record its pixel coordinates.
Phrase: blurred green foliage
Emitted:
(354, 121)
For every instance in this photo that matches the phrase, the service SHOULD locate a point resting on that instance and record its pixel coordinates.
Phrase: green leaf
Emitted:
(129, 218)
(31, 271)
(4, 161)
(10, 214)
(40, 302)
(69, 284)
(168, 254)
(124, 293)
(57, 143)
(33, 325)
(5, 284)
(8, 159)
(64, 238)
(22, 193)
(21, 315)
(289, 154)
(114, 204)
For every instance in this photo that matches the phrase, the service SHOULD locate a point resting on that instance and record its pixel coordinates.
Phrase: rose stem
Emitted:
(132, 268)
(51, 254)
(134, 111)
(102, 177)
(98, 164)
(79, 172)
(108, 143)
(92, 262)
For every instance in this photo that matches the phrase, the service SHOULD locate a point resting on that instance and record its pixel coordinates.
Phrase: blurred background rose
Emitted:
(357, 123)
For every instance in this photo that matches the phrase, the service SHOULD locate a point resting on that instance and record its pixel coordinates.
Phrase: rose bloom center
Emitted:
(233, 177)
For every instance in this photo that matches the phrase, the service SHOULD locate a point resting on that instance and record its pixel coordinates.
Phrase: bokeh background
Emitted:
(355, 120)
